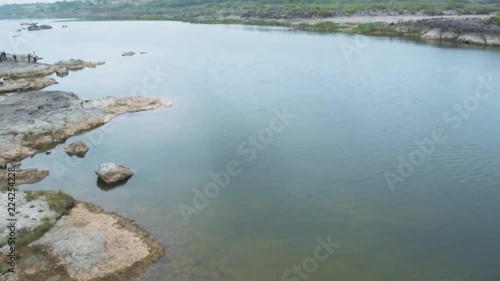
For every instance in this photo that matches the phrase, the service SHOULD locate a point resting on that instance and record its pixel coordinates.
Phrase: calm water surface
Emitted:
(323, 175)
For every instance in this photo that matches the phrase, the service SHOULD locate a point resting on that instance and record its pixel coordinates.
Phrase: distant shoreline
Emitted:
(458, 29)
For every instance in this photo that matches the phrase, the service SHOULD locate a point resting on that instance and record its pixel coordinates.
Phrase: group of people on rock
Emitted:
(3, 56)
(31, 57)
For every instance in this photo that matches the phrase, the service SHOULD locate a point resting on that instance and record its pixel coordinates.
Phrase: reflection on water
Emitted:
(321, 176)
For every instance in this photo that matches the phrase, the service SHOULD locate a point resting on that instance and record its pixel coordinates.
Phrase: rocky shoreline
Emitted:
(59, 238)
(22, 76)
(479, 30)
(65, 239)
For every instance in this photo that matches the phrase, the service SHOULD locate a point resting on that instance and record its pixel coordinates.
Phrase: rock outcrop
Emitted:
(474, 31)
(37, 121)
(27, 176)
(78, 149)
(24, 85)
(62, 239)
(35, 27)
(112, 173)
(22, 76)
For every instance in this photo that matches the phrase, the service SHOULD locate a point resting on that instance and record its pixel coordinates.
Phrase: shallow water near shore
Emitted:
(321, 175)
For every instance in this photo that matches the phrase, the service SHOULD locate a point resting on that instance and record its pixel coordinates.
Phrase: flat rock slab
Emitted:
(90, 244)
(23, 85)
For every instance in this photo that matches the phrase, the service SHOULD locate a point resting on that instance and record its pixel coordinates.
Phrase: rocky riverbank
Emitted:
(461, 29)
(59, 238)
(35, 122)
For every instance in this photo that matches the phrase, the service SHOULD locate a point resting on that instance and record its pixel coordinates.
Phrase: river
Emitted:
(388, 149)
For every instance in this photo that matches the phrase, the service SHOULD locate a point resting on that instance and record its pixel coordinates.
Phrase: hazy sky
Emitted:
(24, 1)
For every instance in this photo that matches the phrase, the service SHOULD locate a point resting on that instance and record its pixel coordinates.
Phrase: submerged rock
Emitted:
(78, 149)
(112, 173)
(23, 84)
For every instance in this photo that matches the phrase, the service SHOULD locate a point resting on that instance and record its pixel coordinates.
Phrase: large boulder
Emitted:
(78, 149)
(112, 173)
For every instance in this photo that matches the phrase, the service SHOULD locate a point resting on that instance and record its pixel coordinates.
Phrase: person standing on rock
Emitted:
(29, 58)
(34, 59)
(15, 57)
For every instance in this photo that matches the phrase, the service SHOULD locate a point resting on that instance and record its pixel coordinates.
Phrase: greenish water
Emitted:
(322, 175)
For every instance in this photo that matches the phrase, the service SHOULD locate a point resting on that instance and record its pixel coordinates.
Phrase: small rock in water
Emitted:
(78, 149)
(48, 152)
(128, 54)
(112, 173)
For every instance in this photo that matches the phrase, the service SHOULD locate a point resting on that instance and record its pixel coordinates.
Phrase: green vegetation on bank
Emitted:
(376, 28)
(496, 19)
(245, 22)
(59, 201)
(322, 26)
(221, 9)
(27, 236)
